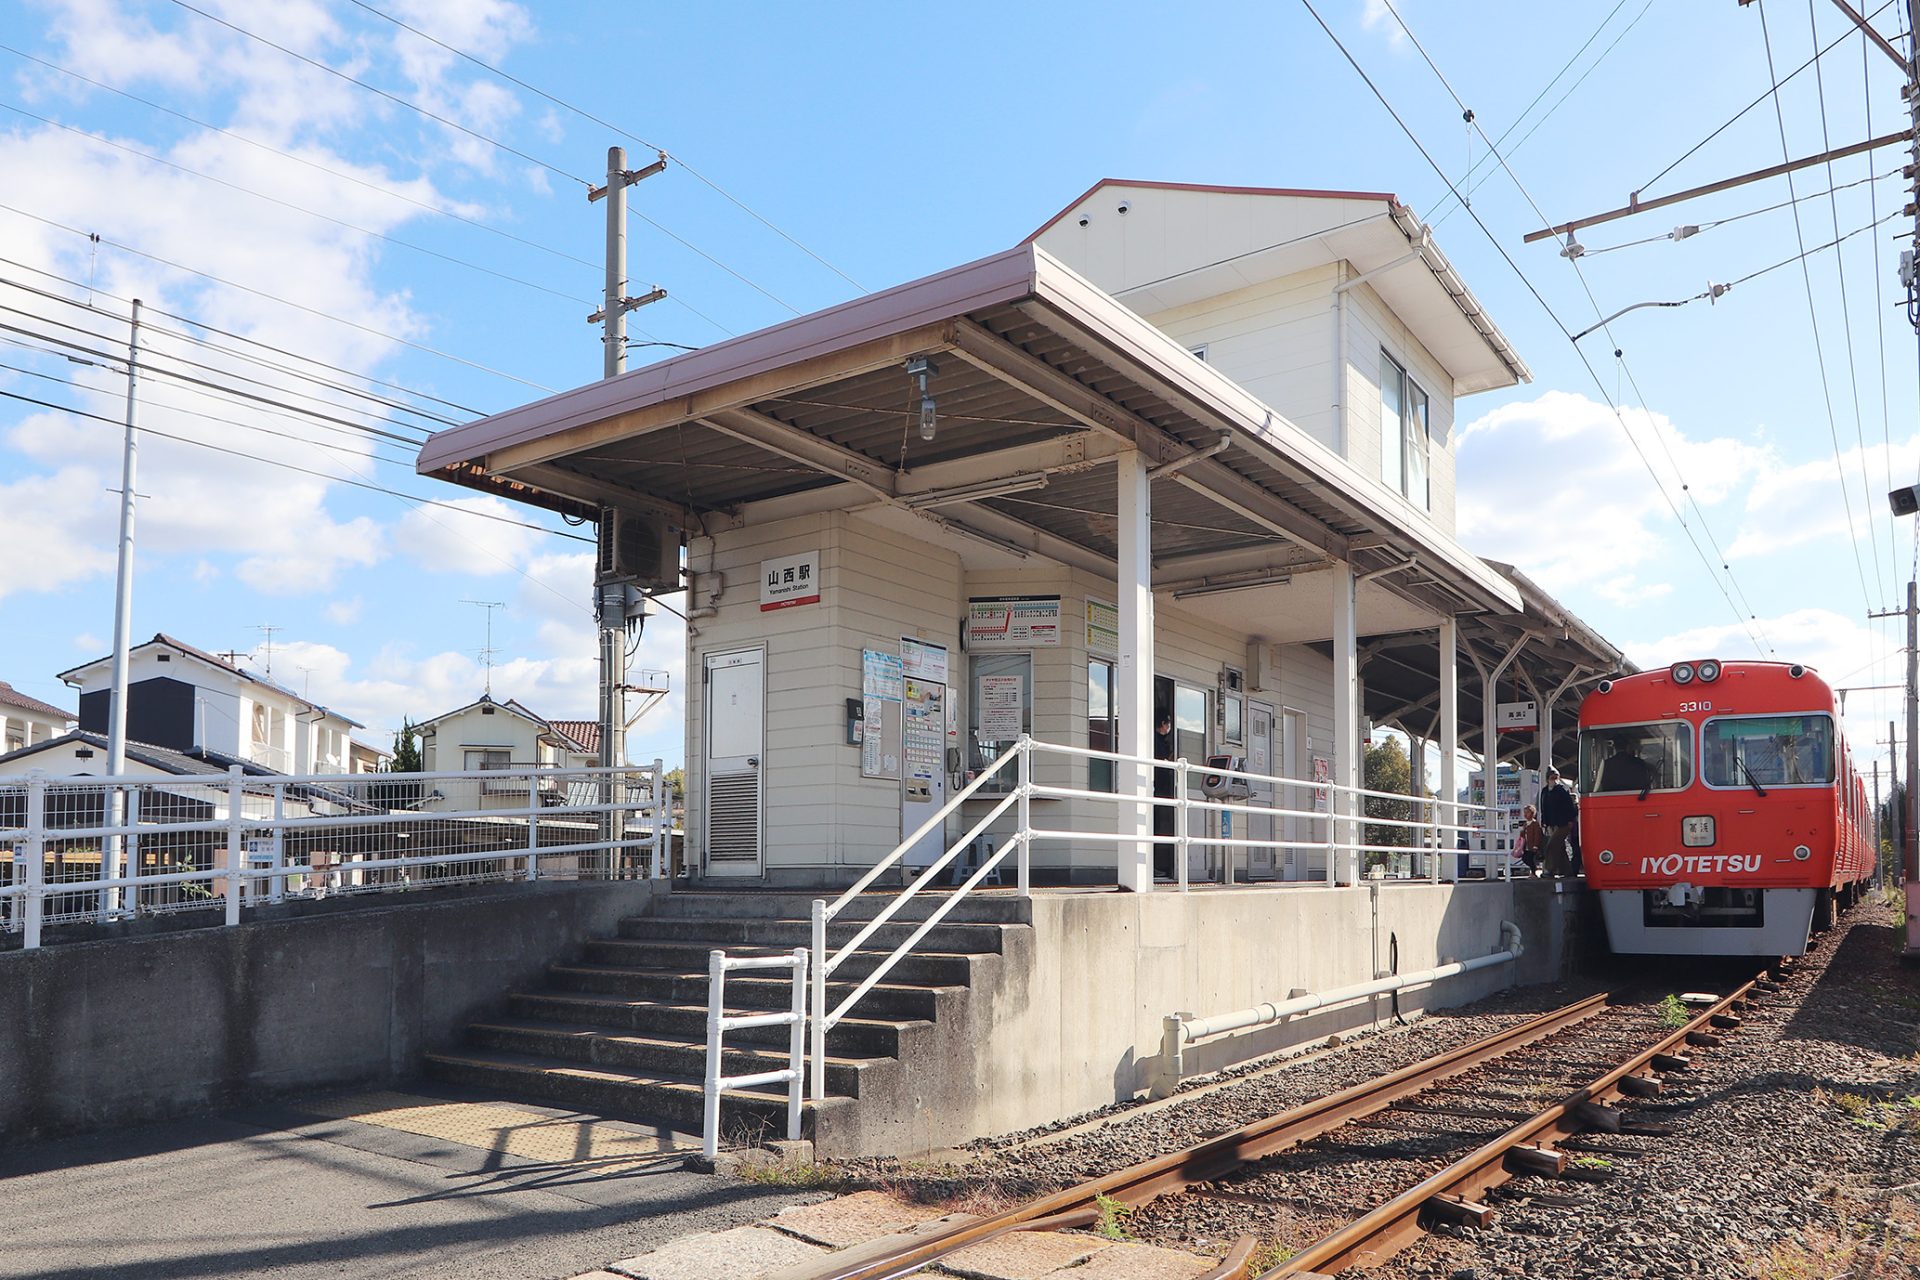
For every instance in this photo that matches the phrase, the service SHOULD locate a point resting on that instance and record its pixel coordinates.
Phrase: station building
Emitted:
(1184, 455)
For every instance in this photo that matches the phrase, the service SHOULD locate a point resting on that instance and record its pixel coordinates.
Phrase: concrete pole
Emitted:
(1346, 712)
(123, 614)
(1449, 734)
(614, 323)
(1133, 702)
(1911, 861)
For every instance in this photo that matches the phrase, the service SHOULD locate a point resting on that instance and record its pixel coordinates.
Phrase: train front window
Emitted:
(1636, 758)
(1770, 751)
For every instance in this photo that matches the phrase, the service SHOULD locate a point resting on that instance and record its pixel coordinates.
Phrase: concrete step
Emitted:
(619, 1093)
(773, 934)
(980, 907)
(916, 968)
(748, 991)
(863, 1037)
(667, 1056)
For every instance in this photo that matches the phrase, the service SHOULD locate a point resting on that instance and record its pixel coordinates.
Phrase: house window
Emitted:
(1102, 727)
(489, 758)
(1404, 434)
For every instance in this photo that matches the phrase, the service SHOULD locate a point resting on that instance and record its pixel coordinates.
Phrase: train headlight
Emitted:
(1606, 857)
(1801, 853)
(1709, 671)
(1682, 673)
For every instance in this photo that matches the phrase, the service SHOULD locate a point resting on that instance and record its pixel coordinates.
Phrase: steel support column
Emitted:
(1346, 713)
(1449, 735)
(1133, 702)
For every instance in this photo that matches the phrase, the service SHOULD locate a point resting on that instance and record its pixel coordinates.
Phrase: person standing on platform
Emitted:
(1531, 839)
(1557, 814)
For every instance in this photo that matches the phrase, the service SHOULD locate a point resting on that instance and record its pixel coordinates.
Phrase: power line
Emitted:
(1806, 276)
(1544, 305)
(605, 124)
(1706, 526)
(1694, 229)
(297, 208)
(285, 302)
(343, 175)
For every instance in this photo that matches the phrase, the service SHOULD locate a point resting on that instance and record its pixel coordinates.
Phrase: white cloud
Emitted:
(344, 613)
(1790, 506)
(444, 540)
(1556, 486)
(87, 642)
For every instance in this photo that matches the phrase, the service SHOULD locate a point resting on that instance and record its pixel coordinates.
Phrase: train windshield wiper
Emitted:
(1751, 780)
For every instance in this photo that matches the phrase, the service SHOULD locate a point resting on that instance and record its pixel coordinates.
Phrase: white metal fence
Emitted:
(103, 849)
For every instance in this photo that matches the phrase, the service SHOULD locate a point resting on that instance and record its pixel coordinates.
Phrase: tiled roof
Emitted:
(584, 732)
(12, 697)
(161, 758)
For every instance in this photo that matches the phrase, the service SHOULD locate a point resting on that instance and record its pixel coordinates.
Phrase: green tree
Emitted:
(1388, 769)
(406, 749)
(677, 785)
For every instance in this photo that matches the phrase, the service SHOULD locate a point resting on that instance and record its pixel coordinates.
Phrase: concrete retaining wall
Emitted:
(96, 1034)
(1077, 1024)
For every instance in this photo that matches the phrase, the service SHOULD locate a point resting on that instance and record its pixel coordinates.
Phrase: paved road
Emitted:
(375, 1186)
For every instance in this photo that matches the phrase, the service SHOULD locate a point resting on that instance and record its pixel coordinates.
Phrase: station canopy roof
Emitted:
(1040, 379)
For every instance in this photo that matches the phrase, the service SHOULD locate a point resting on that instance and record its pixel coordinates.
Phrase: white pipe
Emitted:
(1179, 1030)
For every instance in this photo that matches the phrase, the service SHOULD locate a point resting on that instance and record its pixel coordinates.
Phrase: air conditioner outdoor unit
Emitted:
(641, 549)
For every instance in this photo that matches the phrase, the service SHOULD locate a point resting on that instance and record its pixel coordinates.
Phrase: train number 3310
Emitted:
(1695, 706)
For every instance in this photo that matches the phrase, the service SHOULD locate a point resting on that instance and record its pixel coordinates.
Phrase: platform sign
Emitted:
(1517, 717)
(789, 581)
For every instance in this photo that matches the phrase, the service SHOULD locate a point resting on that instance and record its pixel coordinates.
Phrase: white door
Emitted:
(736, 736)
(1261, 862)
(1293, 764)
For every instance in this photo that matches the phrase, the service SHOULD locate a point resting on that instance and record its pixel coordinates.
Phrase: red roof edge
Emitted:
(1304, 193)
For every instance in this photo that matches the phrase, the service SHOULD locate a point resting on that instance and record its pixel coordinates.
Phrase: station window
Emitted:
(1000, 710)
(1405, 434)
(1190, 723)
(1102, 727)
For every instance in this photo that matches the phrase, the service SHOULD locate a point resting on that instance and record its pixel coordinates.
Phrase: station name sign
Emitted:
(789, 581)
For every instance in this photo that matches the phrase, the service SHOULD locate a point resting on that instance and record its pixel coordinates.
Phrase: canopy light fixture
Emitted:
(923, 368)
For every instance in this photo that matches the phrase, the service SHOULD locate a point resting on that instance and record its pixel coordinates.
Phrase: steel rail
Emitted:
(1210, 1160)
(1374, 1237)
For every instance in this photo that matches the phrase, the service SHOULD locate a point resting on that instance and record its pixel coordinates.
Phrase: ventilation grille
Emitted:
(733, 817)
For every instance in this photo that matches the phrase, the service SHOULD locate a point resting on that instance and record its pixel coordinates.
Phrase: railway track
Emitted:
(1407, 1127)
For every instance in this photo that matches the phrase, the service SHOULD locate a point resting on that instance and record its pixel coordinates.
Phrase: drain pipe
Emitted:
(1180, 1030)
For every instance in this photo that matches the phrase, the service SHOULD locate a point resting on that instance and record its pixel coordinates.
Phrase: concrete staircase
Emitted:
(621, 1031)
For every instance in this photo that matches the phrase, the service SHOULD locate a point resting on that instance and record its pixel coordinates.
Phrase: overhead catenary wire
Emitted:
(1745, 619)
(1701, 228)
(1826, 388)
(1686, 488)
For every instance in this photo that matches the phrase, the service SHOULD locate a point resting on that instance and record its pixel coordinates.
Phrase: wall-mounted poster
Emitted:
(1012, 622)
(1322, 772)
(789, 581)
(923, 660)
(883, 690)
(1001, 701)
(1103, 626)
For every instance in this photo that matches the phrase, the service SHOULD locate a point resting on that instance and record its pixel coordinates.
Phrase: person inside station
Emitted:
(1557, 813)
(1164, 787)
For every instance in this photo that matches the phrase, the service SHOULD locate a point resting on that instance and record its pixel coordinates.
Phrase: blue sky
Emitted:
(893, 145)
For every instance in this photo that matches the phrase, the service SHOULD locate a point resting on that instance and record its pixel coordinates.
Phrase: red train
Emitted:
(1721, 810)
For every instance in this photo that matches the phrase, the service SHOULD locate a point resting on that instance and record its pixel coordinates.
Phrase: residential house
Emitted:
(186, 699)
(489, 735)
(25, 721)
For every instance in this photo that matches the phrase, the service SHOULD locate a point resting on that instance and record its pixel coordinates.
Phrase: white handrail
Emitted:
(719, 1022)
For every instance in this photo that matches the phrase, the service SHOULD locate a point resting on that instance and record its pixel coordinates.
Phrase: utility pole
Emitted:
(1879, 872)
(1910, 855)
(123, 608)
(612, 317)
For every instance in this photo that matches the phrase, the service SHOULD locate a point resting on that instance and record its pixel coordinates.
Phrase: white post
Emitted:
(128, 898)
(662, 829)
(1134, 672)
(35, 903)
(123, 599)
(716, 1004)
(1024, 808)
(1346, 713)
(1446, 863)
(236, 852)
(1182, 837)
(533, 822)
(819, 1019)
(797, 1044)
(277, 886)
